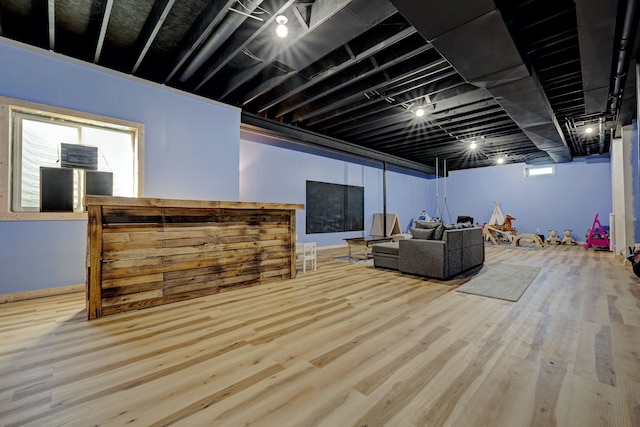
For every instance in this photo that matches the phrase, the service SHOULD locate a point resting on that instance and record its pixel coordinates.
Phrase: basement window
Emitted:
(50, 158)
(538, 171)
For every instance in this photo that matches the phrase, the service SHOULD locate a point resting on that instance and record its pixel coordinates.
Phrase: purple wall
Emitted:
(191, 152)
(568, 200)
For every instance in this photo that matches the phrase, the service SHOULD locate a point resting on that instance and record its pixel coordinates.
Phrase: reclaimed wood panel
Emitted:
(148, 252)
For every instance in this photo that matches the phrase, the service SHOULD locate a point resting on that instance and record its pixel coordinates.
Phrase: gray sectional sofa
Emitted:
(439, 256)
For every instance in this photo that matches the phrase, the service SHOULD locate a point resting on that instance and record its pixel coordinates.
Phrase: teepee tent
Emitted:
(377, 228)
(496, 218)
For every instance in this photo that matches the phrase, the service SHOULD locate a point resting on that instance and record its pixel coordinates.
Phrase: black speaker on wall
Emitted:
(99, 183)
(56, 190)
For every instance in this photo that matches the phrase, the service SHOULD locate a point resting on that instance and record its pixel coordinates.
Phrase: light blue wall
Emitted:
(569, 200)
(276, 171)
(191, 152)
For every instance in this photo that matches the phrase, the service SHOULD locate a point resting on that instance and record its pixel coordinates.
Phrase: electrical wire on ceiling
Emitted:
(251, 55)
(249, 12)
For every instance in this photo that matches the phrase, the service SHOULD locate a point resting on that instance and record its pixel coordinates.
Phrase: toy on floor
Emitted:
(568, 238)
(497, 233)
(597, 236)
(553, 238)
(528, 237)
(507, 233)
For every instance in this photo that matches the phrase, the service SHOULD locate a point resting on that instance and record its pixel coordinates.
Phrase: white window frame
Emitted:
(10, 105)
(539, 171)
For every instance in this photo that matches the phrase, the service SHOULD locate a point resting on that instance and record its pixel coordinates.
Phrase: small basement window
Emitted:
(56, 156)
(538, 171)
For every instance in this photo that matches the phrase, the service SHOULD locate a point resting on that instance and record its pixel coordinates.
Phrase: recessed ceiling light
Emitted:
(589, 129)
(281, 29)
(500, 160)
(473, 145)
(420, 112)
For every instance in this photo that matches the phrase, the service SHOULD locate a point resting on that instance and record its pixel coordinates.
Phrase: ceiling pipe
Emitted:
(226, 28)
(602, 135)
(579, 139)
(572, 137)
(627, 38)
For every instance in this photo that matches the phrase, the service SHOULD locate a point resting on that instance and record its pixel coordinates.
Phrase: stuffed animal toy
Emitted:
(568, 239)
(553, 237)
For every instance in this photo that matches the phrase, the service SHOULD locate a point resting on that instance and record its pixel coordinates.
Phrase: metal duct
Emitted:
(227, 27)
(474, 38)
(596, 29)
(625, 46)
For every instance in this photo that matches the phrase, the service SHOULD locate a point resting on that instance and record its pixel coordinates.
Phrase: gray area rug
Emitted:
(355, 260)
(504, 281)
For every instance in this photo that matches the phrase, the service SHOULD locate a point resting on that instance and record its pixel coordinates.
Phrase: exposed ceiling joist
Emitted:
(104, 23)
(250, 30)
(151, 27)
(51, 14)
(208, 19)
(295, 50)
(294, 89)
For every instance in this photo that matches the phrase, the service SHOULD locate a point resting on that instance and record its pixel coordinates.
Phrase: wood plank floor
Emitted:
(346, 345)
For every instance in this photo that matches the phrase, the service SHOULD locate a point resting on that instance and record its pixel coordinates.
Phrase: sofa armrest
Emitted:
(423, 258)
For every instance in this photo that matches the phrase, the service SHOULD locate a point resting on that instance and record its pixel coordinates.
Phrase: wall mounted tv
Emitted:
(333, 208)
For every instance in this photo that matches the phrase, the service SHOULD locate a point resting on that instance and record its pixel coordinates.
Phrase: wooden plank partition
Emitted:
(144, 252)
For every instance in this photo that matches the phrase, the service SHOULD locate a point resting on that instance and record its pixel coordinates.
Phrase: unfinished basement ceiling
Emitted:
(522, 78)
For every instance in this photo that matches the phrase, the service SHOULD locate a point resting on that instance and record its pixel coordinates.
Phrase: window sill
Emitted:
(43, 216)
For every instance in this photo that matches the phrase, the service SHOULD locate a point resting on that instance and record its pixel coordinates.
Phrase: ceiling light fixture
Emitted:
(500, 160)
(589, 129)
(281, 29)
(420, 112)
(473, 145)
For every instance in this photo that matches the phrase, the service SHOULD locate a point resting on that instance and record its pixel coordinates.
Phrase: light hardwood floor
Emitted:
(346, 345)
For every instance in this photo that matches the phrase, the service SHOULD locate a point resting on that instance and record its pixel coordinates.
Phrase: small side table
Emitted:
(365, 243)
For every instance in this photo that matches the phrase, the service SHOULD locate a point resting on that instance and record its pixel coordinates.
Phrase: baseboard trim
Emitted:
(41, 293)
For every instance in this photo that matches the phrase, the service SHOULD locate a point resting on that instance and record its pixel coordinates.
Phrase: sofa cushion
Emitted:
(439, 232)
(427, 224)
(423, 233)
(390, 248)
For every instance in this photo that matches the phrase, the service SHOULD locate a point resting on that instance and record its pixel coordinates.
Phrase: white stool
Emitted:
(308, 254)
